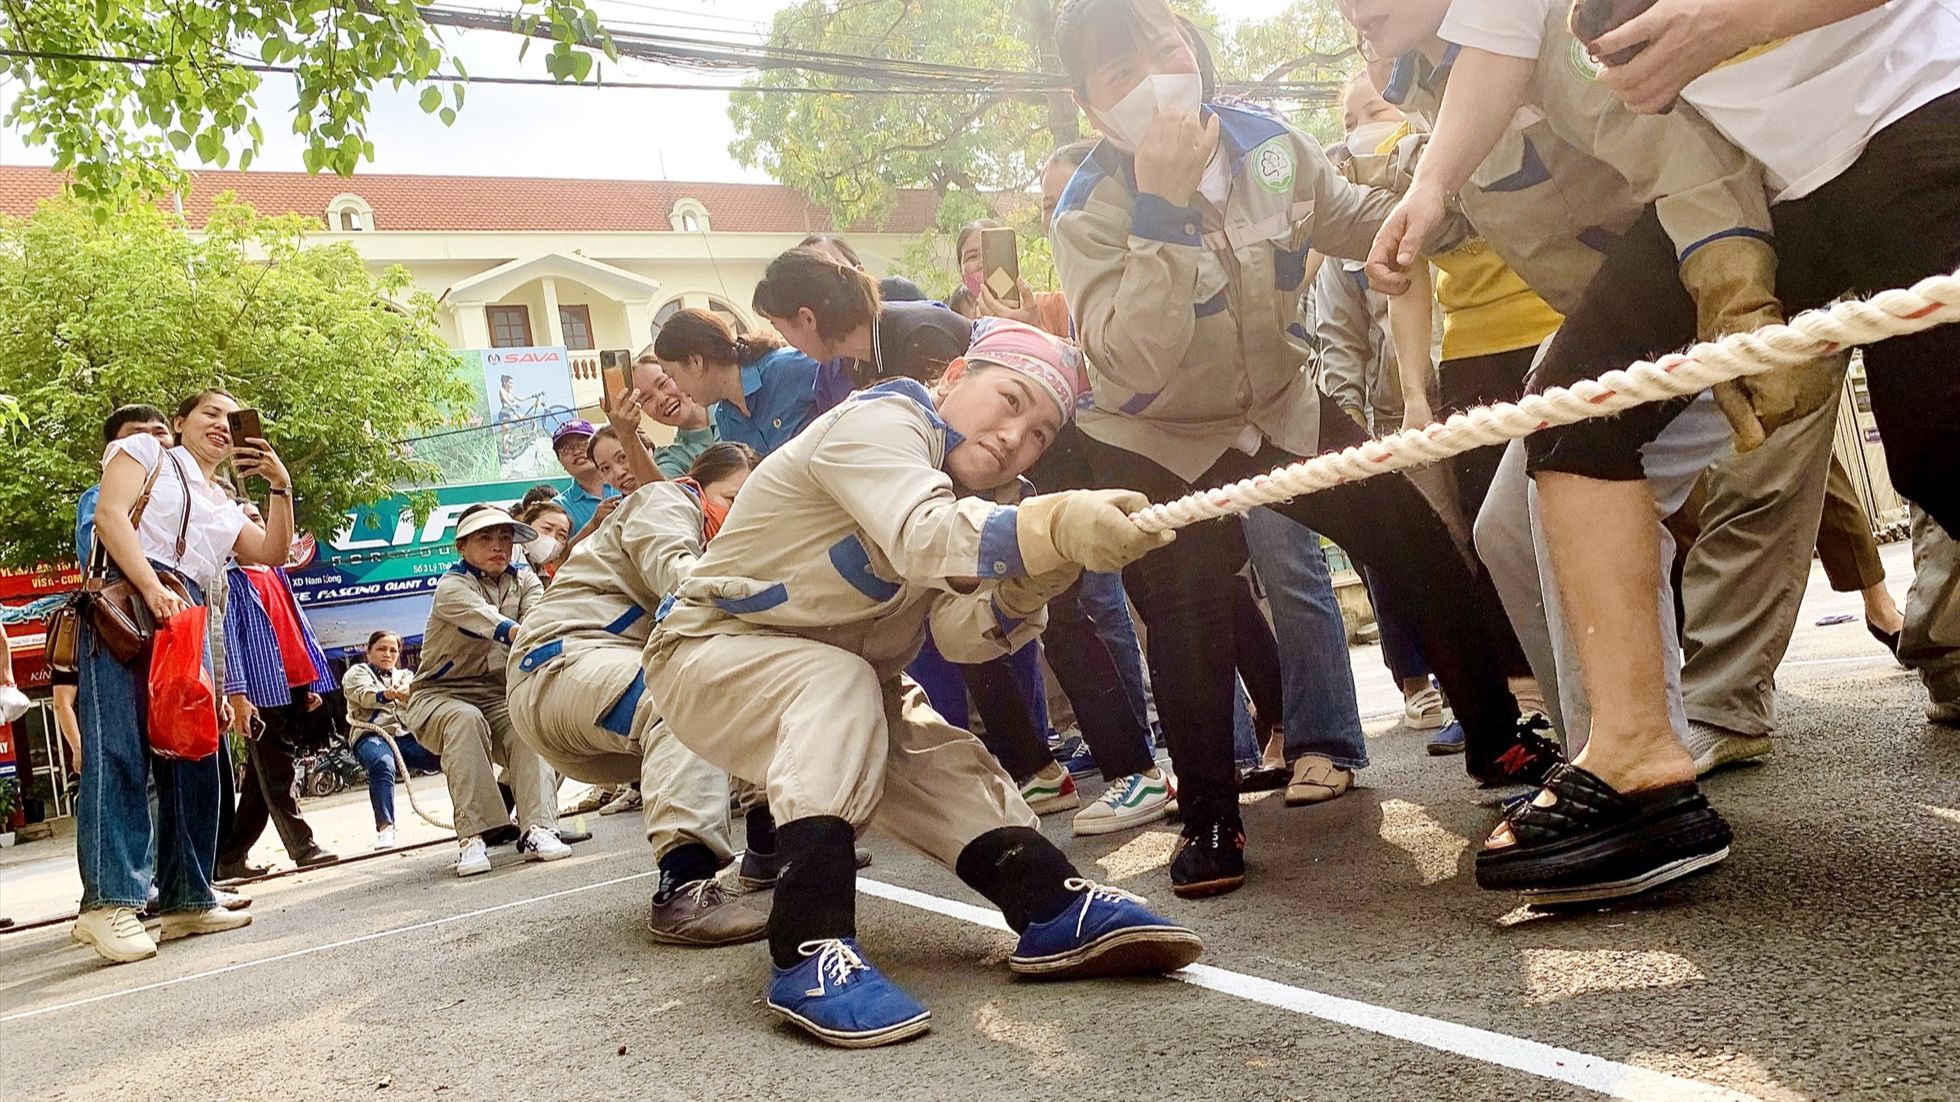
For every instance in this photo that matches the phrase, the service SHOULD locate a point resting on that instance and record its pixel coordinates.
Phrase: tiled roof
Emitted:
(502, 203)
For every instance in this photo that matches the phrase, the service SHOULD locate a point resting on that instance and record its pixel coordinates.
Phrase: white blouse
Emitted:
(215, 519)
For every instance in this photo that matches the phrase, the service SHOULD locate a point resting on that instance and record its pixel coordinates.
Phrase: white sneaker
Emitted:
(230, 901)
(115, 933)
(1051, 790)
(385, 837)
(1128, 802)
(472, 856)
(629, 799)
(178, 924)
(1715, 747)
(1425, 712)
(542, 844)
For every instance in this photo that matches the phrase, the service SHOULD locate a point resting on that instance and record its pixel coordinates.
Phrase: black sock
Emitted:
(816, 896)
(684, 864)
(1021, 872)
(761, 829)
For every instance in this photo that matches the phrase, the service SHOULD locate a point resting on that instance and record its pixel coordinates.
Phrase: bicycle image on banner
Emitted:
(521, 397)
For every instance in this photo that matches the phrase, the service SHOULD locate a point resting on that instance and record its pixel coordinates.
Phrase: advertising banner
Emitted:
(520, 397)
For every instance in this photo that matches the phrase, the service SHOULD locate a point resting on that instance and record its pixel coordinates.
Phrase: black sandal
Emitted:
(1594, 843)
(1264, 779)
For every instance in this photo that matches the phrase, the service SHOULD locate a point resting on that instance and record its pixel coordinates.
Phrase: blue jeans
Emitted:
(115, 832)
(1401, 649)
(372, 750)
(1321, 713)
(1105, 605)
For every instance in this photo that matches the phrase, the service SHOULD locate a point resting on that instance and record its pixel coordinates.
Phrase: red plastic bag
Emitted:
(183, 703)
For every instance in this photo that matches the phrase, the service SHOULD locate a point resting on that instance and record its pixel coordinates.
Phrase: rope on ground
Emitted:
(1933, 301)
(408, 781)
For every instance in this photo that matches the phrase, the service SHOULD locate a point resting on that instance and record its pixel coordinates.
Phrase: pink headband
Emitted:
(1054, 364)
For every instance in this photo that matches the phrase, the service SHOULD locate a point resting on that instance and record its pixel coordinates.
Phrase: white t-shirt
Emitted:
(215, 519)
(1806, 106)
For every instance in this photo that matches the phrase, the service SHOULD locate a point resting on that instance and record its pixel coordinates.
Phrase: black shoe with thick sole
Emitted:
(1526, 759)
(1209, 859)
(1594, 843)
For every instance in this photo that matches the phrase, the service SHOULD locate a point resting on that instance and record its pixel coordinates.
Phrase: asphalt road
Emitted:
(1359, 963)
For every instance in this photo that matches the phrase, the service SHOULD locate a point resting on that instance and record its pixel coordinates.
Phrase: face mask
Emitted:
(1130, 118)
(542, 550)
(1369, 136)
(971, 281)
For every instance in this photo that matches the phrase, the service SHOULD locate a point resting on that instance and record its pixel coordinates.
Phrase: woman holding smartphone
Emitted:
(187, 530)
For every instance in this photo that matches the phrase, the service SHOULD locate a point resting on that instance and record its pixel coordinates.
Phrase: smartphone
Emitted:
(245, 426)
(1000, 264)
(613, 366)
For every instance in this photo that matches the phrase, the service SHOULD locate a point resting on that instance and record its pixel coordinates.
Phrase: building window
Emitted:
(576, 323)
(349, 213)
(510, 326)
(689, 216)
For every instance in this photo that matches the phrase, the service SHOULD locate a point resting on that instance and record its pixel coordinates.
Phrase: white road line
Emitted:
(1594, 1073)
(309, 951)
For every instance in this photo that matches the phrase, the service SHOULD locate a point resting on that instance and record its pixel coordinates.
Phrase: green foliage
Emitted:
(119, 126)
(929, 261)
(102, 308)
(1309, 41)
(9, 802)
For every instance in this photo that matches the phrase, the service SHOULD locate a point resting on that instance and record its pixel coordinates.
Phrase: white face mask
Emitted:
(1369, 136)
(1130, 118)
(542, 550)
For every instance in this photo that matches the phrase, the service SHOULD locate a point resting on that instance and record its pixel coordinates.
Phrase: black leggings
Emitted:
(1476, 381)
(1889, 220)
(1185, 593)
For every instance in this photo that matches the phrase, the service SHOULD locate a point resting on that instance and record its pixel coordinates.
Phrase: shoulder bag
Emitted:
(117, 615)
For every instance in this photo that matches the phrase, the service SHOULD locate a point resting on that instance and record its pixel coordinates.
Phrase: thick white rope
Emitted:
(1811, 335)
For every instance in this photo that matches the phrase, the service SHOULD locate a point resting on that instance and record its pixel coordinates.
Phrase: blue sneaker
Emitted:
(1108, 932)
(1074, 756)
(1449, 740)
(837, 997)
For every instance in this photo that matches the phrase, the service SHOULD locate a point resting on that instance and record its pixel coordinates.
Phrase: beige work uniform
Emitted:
(577, 693)
(1548, 198)
(781, 659)
(457, 707)
(367, 712)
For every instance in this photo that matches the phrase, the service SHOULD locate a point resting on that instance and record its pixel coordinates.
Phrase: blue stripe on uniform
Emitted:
(626, 620)
(1154, 219)
(619, 718)
(1757, 235)
(762, 601)
(854, 563)
(541, 655)
(1000, 545)
(1530, 173)
(503, 631)
(1213, 305)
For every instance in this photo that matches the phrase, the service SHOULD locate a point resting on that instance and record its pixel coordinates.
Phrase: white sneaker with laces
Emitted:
(542, 844)
(115, 933)
(385, 837)
(1128, 802)
(472, 856)
(1425, 712)
(179, 924)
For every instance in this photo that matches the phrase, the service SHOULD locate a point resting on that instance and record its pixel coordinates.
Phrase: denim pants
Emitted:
(1009, 694)
(1321, 713)
(379, 762)
(114, 828)
(1106, 606)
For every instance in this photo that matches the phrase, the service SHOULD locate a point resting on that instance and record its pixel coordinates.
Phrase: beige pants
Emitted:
(1930, 643)
(813, 724)
(471, 730)
(557, 710)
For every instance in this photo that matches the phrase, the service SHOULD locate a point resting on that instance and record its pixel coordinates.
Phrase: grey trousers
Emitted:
(1746, 573)
(1930, 643)
(557, 710)
(1510, 542)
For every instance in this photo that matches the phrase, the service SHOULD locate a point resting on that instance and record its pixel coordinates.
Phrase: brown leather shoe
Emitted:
(703, 914)
(1316, 780)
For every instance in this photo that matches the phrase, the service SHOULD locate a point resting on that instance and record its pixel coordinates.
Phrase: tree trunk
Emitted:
(1064, 121)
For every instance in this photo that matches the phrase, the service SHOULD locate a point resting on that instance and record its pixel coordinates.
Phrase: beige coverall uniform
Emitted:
(780, 659)
(576, 691)
(457, 706)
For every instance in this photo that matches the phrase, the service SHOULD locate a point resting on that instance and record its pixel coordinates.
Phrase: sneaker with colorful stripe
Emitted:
(1128, 802)
(1051, 790)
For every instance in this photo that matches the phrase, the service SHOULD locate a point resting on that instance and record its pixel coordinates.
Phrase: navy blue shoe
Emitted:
(1074, 756)
(1449, 740)
(1106, 932)
(835, 996)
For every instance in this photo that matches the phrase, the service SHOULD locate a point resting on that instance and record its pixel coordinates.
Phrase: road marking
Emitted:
(1594, 1073)
(309, 951)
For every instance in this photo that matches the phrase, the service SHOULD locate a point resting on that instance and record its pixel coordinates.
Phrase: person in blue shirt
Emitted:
(125, 421)
(759, 392)
(572, 443)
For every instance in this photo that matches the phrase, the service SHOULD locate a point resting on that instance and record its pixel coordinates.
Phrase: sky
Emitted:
(559, 131)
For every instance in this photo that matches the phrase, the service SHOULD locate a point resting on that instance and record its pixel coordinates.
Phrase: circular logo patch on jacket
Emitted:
(1582, 59)
(1272, 165)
